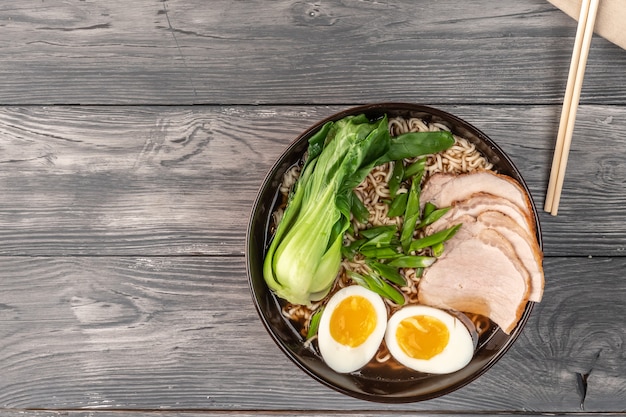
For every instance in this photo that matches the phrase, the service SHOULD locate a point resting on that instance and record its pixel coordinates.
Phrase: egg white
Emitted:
(457, 353)
(343, 358)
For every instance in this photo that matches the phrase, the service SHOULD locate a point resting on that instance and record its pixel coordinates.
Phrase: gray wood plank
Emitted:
(181, 333)
(293, 52)
(168, 181)
(255, 413)
(269, 413)
(123, 287)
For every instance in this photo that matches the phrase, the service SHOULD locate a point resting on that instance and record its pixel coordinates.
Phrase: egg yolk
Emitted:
(422, 337)
(353, 321)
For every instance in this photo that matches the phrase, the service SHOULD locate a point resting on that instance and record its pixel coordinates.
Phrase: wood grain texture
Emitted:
(260, 413)
(249, 413)
(134, 137)
(181, 333)
(182, 180)
(225, 52)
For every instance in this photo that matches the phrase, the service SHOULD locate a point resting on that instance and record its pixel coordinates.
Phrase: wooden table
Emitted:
(134, 136)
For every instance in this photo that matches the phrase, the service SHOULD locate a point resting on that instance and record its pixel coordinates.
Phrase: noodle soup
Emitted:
(462, 157)
(383, 379)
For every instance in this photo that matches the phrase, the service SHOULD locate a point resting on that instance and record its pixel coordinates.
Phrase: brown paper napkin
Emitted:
(610, 22)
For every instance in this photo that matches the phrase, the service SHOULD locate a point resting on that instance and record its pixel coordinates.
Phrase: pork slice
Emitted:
(478, 274)
(434, 185)
(525, 245)
(445, 189)
(480, 202)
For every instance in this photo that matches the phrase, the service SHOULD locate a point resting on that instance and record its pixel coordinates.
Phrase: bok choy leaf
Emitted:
(305, 253)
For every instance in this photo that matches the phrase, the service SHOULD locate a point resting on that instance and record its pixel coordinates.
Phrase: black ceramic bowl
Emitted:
(404, 387)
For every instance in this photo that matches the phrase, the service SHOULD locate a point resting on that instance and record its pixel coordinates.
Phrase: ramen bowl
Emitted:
(372, 383)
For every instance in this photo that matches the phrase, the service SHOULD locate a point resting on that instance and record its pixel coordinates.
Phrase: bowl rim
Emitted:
(382, 108)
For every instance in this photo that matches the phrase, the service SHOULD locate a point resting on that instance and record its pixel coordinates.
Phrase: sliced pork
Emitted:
(480, 202)
(525, 245)
(493, 266)
(478, 274)
(444, 189)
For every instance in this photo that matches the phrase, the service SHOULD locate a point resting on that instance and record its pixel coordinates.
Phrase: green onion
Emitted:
(383, 252)
(434, 239)
(348, 251)
(438, 249)
(358, 209)
(314, 323)
(411, 213)
(397, 175)
(428, 209)
(375, 232)
(377, 285)
(432, 216)
(398, 205)
(415, 168)
(413, 261)
(388, 272)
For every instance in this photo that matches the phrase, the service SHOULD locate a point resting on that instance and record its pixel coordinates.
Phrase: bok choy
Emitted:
(305, 253)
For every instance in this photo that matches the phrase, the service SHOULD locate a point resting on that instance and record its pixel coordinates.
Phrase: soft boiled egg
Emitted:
(429, 340)
(351, 328)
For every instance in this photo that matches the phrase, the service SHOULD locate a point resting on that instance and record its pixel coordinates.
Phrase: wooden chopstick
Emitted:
(584, 32)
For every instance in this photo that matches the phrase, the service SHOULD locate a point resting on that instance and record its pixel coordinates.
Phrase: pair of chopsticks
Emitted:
(584, 32)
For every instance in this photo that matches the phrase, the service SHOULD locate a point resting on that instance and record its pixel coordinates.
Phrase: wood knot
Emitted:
(312, 14)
